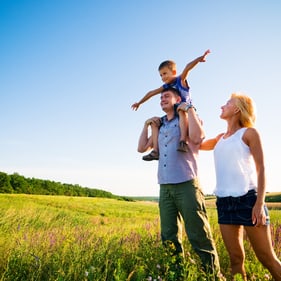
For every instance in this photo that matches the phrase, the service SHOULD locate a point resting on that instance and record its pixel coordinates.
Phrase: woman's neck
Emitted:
(231, 129)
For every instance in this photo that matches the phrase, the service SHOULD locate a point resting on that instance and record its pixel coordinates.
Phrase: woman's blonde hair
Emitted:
(247, 109)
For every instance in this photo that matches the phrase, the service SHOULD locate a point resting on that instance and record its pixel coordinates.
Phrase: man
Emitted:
(180, 197)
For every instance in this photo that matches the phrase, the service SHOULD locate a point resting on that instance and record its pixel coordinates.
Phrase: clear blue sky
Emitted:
(70, 70)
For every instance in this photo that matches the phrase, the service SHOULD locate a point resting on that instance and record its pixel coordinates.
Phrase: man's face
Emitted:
(168, 100)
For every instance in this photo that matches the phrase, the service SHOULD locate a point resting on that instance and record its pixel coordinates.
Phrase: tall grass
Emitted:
(71, 238)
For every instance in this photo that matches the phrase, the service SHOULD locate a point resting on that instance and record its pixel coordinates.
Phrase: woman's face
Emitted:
(229, 109)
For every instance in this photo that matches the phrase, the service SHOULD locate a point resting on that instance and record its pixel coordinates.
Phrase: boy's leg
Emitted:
(183, 131)
(154, 135)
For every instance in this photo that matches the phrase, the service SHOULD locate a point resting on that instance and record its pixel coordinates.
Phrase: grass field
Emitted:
(73, 238)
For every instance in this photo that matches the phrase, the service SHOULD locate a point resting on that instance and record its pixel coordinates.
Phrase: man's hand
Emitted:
(153, 121)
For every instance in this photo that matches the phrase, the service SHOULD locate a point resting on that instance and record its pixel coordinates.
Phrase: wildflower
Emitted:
(192, 261)
(92, 268)
(37, 259)
(86, 273)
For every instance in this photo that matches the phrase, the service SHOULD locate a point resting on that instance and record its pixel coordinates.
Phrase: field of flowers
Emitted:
(73, 238)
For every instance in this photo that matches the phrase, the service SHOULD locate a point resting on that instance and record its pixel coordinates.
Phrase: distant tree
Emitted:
(19, 184)
(5, 186)
(16, 183)
(50, 188)
(35, 185)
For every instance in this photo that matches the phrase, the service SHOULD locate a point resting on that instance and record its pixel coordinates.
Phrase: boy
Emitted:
(168, 73)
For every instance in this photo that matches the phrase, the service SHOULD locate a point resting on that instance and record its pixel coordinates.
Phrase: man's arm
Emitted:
(150, 94)
(195, 129)
(145, 141)
(192, 64)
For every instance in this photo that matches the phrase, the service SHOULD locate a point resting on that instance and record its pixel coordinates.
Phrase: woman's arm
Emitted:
(210, 143)
(252, 139)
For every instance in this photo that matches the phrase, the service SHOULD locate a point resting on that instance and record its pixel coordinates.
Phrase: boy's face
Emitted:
(167, 75)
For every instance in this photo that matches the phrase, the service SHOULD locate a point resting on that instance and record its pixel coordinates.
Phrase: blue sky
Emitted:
(71, 69)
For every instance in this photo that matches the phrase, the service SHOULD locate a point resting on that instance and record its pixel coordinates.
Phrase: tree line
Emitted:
(18, 184)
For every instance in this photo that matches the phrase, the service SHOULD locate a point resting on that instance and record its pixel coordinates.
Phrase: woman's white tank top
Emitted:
(235, 169)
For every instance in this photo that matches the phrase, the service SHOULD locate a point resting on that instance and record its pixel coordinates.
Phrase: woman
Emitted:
(240, 187)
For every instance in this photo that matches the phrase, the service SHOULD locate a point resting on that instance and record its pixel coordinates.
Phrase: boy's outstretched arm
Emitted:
(192, 64)
(150, 94)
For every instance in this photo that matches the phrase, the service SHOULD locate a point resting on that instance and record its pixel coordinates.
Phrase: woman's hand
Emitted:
(258, 215)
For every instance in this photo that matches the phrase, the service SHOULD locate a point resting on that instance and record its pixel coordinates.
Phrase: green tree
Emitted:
(19, 184)
(5, 186)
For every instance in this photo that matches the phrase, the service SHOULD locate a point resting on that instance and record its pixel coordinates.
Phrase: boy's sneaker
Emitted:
(153, 155)
(182, 146)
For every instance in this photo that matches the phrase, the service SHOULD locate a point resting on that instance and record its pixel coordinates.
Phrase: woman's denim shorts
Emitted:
(238, 210)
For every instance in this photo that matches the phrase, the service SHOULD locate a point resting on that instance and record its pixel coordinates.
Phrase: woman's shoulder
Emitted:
(250, 131)
(250, 134)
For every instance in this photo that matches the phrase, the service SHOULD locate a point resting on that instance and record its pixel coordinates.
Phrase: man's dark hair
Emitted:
(175, 91)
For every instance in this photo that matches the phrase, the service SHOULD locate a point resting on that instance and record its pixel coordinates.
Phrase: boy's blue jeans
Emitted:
(185, 201)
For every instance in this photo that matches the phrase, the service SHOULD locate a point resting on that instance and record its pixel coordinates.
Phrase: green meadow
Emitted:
(79, 238)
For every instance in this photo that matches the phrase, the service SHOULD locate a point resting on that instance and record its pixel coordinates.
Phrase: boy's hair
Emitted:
(168, 63)
(247, 108)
